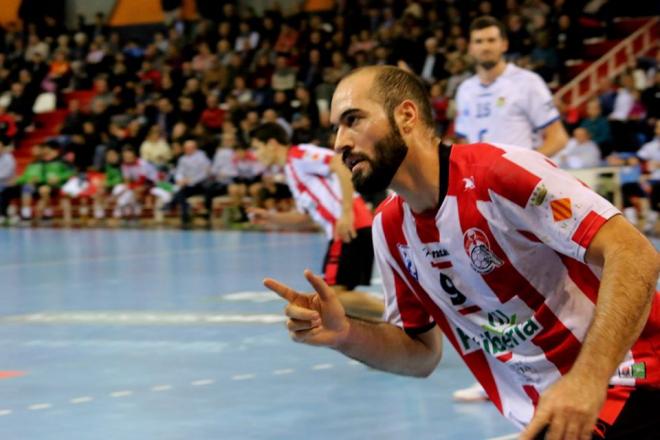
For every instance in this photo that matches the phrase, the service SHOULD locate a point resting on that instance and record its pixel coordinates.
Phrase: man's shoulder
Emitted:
(523, 77)
(469, 84)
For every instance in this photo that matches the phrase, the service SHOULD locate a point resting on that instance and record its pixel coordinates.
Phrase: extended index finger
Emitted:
(282, 290)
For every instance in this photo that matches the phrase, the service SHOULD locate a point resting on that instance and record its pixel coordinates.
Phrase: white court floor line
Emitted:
(123, 393)
(82, 399)
(158, 388)
(39, 406)
(506, 437)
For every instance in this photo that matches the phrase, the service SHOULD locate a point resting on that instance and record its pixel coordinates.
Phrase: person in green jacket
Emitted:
(42, 180)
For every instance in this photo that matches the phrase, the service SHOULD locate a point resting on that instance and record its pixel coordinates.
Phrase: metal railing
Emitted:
(583, 86)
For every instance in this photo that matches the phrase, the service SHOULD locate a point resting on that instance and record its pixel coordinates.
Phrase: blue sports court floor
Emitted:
(159, 334)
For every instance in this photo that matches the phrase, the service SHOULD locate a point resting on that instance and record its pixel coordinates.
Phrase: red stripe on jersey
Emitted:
(323, 211)
(295, 152)
(476, 362)
(427, 229)
(413, 313)
(506, 357)
(531, 237)
(469, 310)
(617, 396)
(560, 346)
(551, 163)
(332, 266)
(587, 229)
(362, 217)
(532, 393)
(442, 265)
(486, 165)
(647, 347)
(582, 276)
(392, 220)
(558, 343)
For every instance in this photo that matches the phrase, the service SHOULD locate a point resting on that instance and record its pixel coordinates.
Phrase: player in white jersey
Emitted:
(323, 193)
(502, 102)
(543, 289)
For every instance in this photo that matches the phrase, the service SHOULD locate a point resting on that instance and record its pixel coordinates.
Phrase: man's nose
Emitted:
(343, 141)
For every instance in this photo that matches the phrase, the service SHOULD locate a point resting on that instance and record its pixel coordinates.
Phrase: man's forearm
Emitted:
(555, 139)
(290, 218)
(386, 347)
(624, 301)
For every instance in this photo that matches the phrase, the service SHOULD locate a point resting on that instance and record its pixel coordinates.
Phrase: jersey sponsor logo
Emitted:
(561, 209)
(406, 256)
(435, 252)
(539, 194)
(502, 339)
(500, 101)
(468, 183)
(477, 246)
(634, 371)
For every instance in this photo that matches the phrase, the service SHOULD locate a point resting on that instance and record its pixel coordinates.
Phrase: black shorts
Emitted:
(632, 414)
(350, 264)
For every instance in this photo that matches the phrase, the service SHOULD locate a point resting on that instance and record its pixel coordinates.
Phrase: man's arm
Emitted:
(320, 320)
(555, 138)
(344, 229)
(630, 272)
(290, 218)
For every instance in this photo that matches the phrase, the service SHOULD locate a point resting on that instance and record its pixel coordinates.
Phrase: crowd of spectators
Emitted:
(197, 89)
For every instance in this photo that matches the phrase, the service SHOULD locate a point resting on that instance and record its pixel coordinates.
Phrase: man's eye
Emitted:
(351, 120)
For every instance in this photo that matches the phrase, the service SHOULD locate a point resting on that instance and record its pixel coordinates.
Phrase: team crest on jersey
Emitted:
(407, 260)
(500, 101)
(477, 246)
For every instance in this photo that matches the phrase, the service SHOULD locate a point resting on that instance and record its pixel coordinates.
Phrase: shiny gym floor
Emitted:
(161, 334)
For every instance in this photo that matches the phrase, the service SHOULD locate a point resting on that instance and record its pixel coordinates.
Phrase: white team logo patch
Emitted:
(469, 183)
(407, 260)
(477, 247)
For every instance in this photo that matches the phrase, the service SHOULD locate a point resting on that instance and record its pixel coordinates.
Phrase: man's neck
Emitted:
(488, 76)
(418, 179)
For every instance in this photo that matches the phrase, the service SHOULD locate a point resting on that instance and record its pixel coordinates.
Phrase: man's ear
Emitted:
(406, 116)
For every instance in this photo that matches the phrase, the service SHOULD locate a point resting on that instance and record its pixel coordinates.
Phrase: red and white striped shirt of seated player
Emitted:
(316, 188)
(484, 268)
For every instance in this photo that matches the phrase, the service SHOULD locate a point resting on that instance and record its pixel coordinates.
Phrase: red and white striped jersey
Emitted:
(316, 188)
(500, 268)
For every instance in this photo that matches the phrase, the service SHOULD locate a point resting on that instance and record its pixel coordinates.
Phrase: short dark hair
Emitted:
(487, 21)
(392, 86)
(270, 130)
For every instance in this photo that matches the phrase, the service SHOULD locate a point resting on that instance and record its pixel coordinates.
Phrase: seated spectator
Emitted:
(213, 115)
(42, 180)
(155, 148)
(622, 129)
(223, 170)
(137, 178)
(598, 126)
(579, 152)
(7, 176)
(192, 172)
(284, 76)
(633, 194)
(650, 153)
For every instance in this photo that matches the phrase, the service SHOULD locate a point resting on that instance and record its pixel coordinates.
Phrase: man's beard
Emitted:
(388, 156)
(488, 65)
